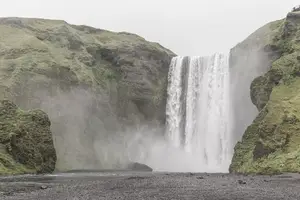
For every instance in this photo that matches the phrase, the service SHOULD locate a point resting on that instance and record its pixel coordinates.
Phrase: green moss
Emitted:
(104, 75)
(271, 144)
(275, 133)
(8, 166)
(26, 141)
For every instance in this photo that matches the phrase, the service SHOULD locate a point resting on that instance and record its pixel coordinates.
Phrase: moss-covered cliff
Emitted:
(249, 59)
(271, 144)
(91, 82)
(26, 144)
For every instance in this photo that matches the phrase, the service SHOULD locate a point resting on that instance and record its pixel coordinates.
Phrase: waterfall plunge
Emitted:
(198, 111)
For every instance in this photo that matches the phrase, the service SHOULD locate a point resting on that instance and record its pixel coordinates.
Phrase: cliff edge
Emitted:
(271, 144)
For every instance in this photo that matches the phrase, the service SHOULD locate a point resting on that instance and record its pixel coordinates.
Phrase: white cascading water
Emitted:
(174, 114)
(198, 118)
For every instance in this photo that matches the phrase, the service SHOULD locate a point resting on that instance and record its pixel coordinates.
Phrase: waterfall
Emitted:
(198, 118)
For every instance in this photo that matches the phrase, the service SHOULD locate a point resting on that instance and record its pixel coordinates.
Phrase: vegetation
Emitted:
(271, 144)
(110, 78)
(26, 144)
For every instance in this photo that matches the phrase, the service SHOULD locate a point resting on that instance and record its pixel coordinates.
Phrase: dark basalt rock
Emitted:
(139, 167)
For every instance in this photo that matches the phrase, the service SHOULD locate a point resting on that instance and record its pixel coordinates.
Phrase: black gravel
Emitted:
(140, 186)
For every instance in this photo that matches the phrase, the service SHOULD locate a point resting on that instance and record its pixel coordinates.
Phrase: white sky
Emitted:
(187, 27)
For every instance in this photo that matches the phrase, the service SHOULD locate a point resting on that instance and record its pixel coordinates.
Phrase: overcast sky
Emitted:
(187, 27)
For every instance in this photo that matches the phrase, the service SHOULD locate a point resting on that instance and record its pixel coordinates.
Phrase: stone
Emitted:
(135, 166)
(44, 187)
(241, 182)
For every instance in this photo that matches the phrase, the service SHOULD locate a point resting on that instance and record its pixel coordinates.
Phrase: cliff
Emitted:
(92, 83)
(271, 144)
(26, 144)
(249, 59)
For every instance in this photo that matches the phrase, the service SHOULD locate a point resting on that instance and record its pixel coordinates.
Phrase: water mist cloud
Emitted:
(84, 141)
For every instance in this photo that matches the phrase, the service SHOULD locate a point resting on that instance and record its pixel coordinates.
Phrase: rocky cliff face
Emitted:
(26, 144)
(271, 144)
(91, 82)
(248, 60)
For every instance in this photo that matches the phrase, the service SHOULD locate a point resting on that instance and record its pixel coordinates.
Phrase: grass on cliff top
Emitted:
(262, 36)
(34, 46)
(82, 32)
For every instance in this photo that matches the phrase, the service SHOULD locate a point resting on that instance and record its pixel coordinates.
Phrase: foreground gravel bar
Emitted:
(137, 185)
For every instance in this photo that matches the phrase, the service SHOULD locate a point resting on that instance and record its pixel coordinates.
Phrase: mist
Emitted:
(88, 133)
(83, 140)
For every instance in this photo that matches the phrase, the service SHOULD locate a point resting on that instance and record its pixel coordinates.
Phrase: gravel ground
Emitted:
(136, 186)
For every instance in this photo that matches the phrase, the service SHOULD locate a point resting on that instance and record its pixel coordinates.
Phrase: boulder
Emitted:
(26, 144)
(135, 166)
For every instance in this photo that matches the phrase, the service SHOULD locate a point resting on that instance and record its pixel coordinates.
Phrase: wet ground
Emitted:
(147, 185)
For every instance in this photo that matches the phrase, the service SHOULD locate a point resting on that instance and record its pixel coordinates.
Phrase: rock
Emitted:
(200, 177)
(250, 59)
(44, 187)
(241, 182)
(139, 167)
(190, 174)
(296, 9)
(94, 84)
(136, 178)
(28, 141)
(271, 144)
